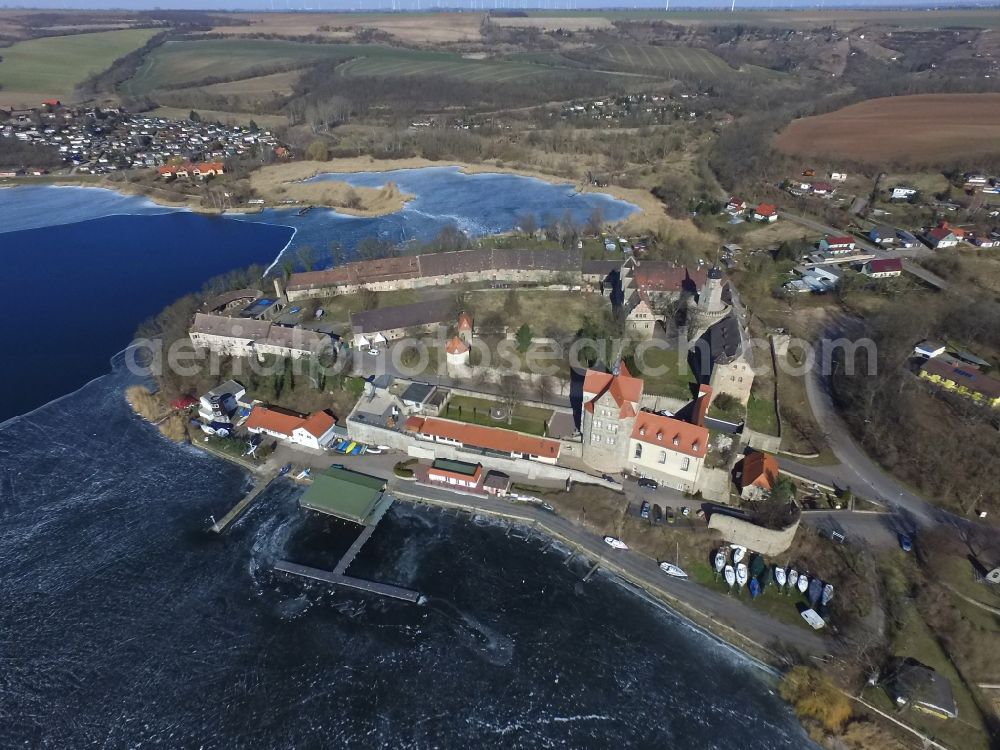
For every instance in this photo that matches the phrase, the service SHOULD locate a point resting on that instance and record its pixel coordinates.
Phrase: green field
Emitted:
(56, 65)
(450, 66)
(190, 62)
(176, 63)
(677, 61)
(526, 419)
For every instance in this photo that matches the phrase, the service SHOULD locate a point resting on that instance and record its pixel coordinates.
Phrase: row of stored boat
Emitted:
(738, 574)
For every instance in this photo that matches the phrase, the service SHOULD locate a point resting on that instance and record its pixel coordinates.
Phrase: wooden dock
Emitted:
(337, 579)
(220, 526)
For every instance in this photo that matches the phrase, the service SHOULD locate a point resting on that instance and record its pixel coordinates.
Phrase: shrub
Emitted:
(143, 402)
(816, 698)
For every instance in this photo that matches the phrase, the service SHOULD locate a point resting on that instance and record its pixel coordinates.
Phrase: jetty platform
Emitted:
(338, 579)
(338, 576)
(237, 510)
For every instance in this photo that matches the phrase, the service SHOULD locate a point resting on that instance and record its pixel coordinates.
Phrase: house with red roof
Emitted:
(822, 188)
(314, 430)
(758, 471)
(609, 408)
(667, 449)
(736, 206)
(837, 244)
(883, 268)
(765, 212)
(940, 236)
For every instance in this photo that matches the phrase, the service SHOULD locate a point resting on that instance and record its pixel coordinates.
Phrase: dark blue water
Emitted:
(124, 623)
(85, 265)
(76, 292)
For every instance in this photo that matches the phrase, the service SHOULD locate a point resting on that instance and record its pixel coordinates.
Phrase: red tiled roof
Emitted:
(465, 322)
(760, 470)
(286, 422)
(318, 423)
(702, 404)
(479, 436)
(624, 389)
(766, 209)
(840, 240)
(885, 265)
(939, 233)
(456, 346)
(652, 276)
(263, 418)
(671, 433)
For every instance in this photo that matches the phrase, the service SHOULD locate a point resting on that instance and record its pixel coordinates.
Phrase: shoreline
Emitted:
(648, 208)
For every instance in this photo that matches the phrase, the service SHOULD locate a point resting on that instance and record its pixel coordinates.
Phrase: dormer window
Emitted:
(659, 436)
(694, 445)
(677, 439)
(642, 430)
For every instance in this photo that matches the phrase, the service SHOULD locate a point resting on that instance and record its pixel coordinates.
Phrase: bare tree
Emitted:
(510, 394)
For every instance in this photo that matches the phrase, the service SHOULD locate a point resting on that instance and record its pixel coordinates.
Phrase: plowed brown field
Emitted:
(921, 129)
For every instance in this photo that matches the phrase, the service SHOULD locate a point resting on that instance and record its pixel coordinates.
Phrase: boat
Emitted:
(672, 570)
(803, 583)
(810, 616)
(284, 470)
(720, 561)
(730, 575)
(754, 588)
(757, 568)
(741, 575)
(738, 553)
(615, 543)
(815, 590)
(779, 575)
(827, 594)
(793, 578)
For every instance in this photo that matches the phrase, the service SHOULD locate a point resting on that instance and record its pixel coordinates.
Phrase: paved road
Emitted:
(880, 530)
(732, 613)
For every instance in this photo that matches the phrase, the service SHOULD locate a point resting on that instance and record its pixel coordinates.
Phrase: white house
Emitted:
(668, 450)
(902, 193)
(220, 402)
(883, 268)
(315, 430)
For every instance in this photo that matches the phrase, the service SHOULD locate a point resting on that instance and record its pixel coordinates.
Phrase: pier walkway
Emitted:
(220, 526)
(373, 587)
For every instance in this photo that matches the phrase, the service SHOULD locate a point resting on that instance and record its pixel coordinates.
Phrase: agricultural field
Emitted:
(55, 65)
(177, 63)
(677, 61)
(280, 84)
(939, 128)
(412, 28)
(441, 66)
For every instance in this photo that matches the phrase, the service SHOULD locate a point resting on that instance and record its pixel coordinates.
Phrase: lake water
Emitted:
(87, 265)
(125, 623)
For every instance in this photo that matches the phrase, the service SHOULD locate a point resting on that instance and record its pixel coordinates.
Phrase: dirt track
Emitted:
(923, 129)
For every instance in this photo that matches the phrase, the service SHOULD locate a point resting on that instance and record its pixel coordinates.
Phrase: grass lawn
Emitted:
(477, 411)
(56, 65)
(540, 308)
(761, 416)
(666, 373)
(915, 639)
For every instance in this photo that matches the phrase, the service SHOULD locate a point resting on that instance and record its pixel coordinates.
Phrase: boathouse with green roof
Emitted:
(349, 495)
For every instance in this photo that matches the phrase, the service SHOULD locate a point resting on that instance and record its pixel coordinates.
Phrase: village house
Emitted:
(838, 177)
(668, 450)
(736, 206)
(883, 268)
(902, 193)
(906, 239)
(758, 471)
(456, 473)
(822, 188)
(883, 235)
(311, 431)
(765, 212)
(837, 245)
(940, 237)
(983, 241)
(962, 378)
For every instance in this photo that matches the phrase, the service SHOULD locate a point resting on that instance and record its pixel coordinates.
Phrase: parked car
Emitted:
(373, 351)
(905, 542)
(650, 483)
(671, 516)
(607, 477)
(685, 511)
(657, 514)
(644, 510)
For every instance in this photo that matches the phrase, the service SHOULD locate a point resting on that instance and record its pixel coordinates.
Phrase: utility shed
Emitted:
(343, 493)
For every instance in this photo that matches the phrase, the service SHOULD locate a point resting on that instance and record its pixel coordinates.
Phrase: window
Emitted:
(597, 424)
(685, 463)
(613, 428)
(663, 457)
(595, 438)
(611, 441)
(638, 450)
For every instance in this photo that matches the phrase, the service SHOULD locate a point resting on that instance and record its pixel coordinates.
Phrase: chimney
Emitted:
(279, 287)
(702, 404)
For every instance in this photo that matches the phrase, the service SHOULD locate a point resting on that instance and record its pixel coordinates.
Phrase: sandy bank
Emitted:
(279, 183)
(648, 217)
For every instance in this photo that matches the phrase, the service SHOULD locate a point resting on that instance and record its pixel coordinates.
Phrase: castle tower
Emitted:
(610, 405)
(710, 298)
(465, 328)
(457, 355)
